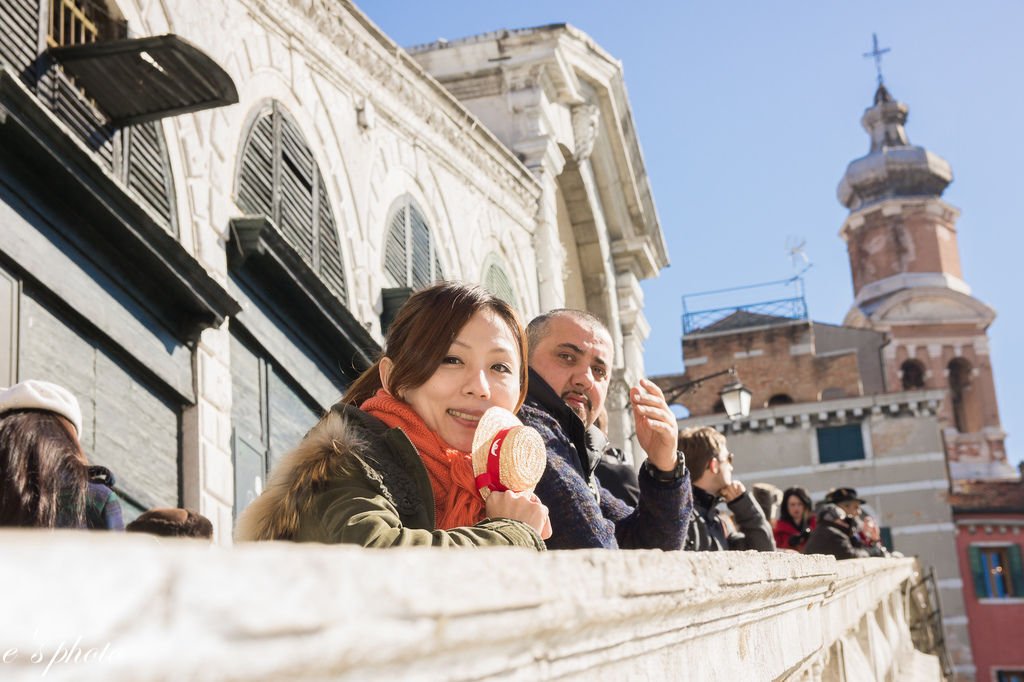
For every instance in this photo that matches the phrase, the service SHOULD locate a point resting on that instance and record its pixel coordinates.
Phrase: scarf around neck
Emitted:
(457, 502)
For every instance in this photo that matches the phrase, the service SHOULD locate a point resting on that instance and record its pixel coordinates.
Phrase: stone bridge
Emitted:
(110, 607)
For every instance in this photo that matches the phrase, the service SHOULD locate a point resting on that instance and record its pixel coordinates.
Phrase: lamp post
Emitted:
(735, 396)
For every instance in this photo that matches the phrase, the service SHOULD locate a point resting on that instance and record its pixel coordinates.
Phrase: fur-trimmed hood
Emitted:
(329, 449)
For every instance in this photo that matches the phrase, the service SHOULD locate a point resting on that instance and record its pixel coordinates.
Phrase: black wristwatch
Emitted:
(668, 476)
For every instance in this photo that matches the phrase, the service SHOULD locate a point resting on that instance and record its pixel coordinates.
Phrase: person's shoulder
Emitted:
(537, 417)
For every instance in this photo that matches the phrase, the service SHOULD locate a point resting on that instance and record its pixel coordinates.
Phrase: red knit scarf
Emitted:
(457, 502)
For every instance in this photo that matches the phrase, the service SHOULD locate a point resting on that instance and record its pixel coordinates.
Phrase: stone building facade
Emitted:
(207, 280)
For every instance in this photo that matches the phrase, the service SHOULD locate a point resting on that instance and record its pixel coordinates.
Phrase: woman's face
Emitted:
(795, 507)
(481, 370)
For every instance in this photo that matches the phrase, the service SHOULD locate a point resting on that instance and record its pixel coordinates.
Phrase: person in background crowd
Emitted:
(711, 465)
(796, 520)
(833, 535)
(570, 372)
(389, 465)
(768, 498)
(172, 523)
(45, 477)
(613, 473)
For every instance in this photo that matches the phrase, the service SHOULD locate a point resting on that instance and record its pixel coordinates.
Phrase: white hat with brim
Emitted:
(42, 395)
(506, 454)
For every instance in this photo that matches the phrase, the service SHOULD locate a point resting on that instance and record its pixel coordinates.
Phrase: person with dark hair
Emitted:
(796, 520)
(389, 464)
(768, 498)
(710, 464)
(172, 523)
(45, 477)
(570, 373)
(834, 535)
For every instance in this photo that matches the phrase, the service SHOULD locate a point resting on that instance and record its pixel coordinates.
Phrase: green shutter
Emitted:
(978, 572)
(1016, 571)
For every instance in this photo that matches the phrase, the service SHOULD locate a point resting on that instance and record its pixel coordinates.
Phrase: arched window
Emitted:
(959, 385)
(497, 282)
(410, 256)
(912, 372)
(833, 393)
(279, 178)
(718, 407)
(779, 399)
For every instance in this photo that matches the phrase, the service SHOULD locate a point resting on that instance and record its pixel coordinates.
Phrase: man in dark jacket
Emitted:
(710, 464)
(570, 372)
(834, 535)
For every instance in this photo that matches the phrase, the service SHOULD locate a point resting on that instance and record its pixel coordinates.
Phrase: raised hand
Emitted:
(656, 428)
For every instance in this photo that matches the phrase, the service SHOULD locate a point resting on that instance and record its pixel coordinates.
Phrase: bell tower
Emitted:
(901, 238)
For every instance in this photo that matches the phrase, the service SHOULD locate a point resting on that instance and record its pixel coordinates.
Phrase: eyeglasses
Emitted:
(728, 458)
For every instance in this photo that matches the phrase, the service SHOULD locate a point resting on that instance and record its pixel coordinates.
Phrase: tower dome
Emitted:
(893, 167)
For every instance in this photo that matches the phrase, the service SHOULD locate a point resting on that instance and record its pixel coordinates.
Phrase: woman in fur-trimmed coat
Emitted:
(355, 480)
(390, 464)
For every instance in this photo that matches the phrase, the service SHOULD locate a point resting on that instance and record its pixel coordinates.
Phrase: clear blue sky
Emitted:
(748, 113)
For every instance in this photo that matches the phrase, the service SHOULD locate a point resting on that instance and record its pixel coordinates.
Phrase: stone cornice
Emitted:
(344, 30)
(827, 412)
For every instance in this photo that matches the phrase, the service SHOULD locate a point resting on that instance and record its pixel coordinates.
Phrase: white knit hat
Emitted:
(42, 395)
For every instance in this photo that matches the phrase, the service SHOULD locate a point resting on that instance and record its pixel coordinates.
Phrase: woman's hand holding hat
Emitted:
(506, 454)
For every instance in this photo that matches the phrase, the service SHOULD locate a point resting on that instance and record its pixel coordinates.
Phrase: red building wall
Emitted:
(996, 625)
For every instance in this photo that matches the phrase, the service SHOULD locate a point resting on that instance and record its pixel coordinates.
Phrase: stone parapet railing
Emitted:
(80, 606)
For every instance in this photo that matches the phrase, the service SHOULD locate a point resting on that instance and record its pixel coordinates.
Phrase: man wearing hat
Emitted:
(834, 535)
(570, 372)
(847, 500)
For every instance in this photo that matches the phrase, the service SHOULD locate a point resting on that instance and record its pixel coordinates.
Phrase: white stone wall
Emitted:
(379, 130)
(149, 609)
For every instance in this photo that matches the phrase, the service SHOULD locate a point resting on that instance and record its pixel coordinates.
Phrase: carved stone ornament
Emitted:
(585, 120)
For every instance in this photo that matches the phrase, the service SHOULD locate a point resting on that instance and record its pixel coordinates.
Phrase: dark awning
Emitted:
(145, 79)
(258, 249)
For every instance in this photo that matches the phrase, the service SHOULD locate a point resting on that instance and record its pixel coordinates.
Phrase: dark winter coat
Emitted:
(707, 533)
(836, 539)
(355, 480)
(584, 514)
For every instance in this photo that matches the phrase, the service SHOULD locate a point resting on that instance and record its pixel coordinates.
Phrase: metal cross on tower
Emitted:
(877, 55)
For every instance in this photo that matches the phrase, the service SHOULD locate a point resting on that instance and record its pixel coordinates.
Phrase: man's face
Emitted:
(725, 458)
(852, 508)
(574, 358)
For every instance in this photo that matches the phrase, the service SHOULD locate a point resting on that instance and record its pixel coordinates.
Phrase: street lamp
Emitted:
(735, 396)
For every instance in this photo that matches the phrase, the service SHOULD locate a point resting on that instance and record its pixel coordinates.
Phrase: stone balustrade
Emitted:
(111, 607)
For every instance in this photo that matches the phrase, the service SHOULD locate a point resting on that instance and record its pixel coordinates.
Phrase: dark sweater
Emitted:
(584, 514)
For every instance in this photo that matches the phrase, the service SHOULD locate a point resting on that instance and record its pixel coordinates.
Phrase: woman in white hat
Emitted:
(390, 464)
(45, 478)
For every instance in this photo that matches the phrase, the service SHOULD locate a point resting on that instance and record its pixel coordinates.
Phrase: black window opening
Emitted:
(779, 399)
(498, 283)
(912, 375)
(280, 179)
(840, 443)
(410, 254)
(959, 387)
(79, 22)
(997, 571)
(1010, 675)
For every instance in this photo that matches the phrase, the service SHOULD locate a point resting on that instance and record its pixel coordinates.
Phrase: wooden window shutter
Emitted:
(497, 282)
(296, 190)
(279, 178)
(1016, 571)
(256, 179)
(422, 256)
(148, 170)
(978, 572)
(395, 260)
(331, 269)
